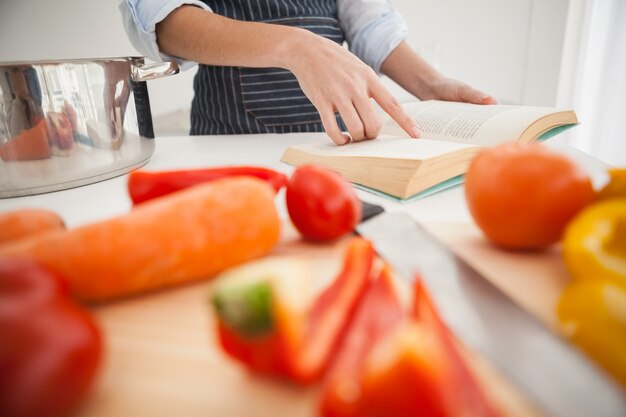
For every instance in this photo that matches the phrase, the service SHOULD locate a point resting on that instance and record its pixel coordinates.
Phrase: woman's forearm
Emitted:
(421, 79)
(411, 71)
(197, 35)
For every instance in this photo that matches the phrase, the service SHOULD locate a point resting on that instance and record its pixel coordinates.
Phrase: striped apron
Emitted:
(236, 100)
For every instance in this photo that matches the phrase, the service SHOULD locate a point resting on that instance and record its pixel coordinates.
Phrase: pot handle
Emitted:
(145, 72)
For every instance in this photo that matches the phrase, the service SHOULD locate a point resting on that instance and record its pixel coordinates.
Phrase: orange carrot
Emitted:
(22, 223)
(186, 236)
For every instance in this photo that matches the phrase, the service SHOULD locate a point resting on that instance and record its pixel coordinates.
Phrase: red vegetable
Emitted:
(269, 338)
(379, 312)
(50, 348)
(321, 203)
(145, 185)
(395, 364)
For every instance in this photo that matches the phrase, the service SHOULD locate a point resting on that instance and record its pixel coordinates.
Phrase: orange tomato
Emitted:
(523, 195)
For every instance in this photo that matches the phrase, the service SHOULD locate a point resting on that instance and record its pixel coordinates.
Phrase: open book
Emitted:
(452, 134)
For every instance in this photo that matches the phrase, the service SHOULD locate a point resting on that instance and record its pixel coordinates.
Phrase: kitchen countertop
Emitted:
(108, 198)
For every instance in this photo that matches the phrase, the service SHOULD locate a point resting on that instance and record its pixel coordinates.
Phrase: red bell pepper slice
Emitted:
(468, 396)
(300, 348)
(378, 314)
(393, 363)
(146, 185)
(50, 348)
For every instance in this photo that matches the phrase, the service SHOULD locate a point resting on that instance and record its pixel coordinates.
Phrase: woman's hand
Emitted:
(449, 89)
(337, 81)
(425, 82)
(330, 76)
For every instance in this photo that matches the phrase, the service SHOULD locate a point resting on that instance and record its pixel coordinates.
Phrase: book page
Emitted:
(385, 146)
(482, 125)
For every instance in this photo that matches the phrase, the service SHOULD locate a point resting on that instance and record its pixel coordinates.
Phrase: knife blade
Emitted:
(556, 377)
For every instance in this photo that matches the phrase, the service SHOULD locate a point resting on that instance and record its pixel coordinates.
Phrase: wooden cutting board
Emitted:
(535, 280)
(162, 358)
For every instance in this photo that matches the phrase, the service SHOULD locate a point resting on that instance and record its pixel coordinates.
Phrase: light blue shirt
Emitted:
(373, 29)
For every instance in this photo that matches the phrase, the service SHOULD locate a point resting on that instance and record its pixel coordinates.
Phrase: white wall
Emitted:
(509, 48)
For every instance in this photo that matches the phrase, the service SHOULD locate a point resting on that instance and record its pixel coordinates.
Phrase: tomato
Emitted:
(523, 195)
(50, 348)
(322, 205)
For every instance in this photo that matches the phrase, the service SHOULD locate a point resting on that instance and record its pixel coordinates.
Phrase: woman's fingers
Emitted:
(471, 95)
(369, 117)
(449, 89)
(361, 119)
(327, 114)
(352, 120)
(392, 107)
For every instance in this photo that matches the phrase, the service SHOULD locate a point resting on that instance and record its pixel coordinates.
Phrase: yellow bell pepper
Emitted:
(616, 187)
(592, 313)
(592, 309)
(594, 245)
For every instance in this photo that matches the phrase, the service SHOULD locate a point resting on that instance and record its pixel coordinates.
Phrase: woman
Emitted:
(277, 66)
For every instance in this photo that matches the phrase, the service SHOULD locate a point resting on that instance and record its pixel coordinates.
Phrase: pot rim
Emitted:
(131, 59)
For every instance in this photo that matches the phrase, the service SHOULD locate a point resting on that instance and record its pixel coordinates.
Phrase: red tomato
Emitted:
(321, 203)
(50, 348)
(523, 195)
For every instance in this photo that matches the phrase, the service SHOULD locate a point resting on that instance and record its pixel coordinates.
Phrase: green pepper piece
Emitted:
(247, 309)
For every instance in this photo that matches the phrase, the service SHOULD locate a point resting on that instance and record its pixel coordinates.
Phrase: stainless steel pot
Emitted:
(74, 122)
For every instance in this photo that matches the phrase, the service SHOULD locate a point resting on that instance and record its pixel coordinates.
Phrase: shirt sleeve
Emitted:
(140, 18)
(373, 29)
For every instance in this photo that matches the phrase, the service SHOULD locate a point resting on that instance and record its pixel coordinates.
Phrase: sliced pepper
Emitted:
(146, 185)
(50, 348)
(393, 363)
(616, 187)
(594, 246)
(266, 320)
(592, 313)
(378, 314)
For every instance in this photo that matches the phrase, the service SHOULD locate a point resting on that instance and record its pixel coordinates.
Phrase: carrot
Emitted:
(22, 223)
(185, 236)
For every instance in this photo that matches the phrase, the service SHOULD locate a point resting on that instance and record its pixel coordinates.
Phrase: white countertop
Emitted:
(108, 198)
